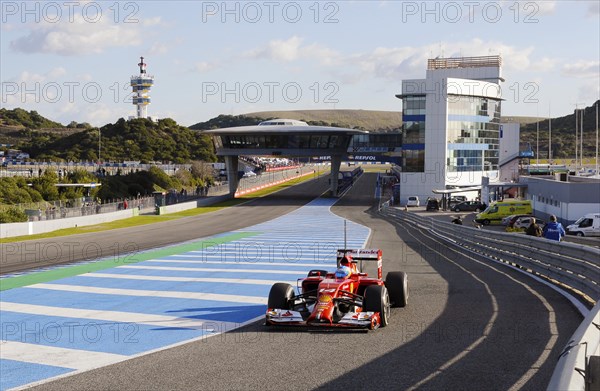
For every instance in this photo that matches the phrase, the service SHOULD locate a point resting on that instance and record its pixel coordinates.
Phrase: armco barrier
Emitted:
(573, 265)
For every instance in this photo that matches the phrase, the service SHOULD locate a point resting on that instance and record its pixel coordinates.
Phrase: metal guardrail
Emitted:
(575, 266)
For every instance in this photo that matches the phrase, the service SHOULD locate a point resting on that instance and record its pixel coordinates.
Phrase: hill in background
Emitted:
(137, 139)
(358, 119)
(166, 140)
(563, 134)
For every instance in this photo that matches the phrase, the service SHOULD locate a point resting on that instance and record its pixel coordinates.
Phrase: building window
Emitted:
(473, 129)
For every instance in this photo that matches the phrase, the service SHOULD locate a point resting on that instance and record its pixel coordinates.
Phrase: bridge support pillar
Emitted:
(231, 164)
(336, 161)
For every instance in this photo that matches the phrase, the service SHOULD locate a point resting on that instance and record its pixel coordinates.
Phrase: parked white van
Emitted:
(588, 225)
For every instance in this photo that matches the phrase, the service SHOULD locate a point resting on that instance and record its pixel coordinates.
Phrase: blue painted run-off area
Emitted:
(78, 323)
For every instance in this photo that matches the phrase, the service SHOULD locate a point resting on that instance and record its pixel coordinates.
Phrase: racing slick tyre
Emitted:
(377, 300)
(486, 222)
(397, 286)
(280, 295)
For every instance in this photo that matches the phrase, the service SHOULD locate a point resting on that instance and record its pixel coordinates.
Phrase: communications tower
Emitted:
(141, 85)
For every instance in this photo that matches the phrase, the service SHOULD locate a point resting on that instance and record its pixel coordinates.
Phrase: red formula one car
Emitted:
(344, 298)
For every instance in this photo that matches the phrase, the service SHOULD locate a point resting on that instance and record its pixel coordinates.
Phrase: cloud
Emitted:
(292, 50)
(156, 21)
(77, 37)
(582, 69)
(204, 66)
(32, 77)
(158, 48)
(545, 64)
(545, 7)
(392, 63)
(593, 10)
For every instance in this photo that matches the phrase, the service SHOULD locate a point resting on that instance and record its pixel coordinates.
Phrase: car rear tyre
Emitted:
(377, 300)
(280, 296)
(397, 286)
(457, 209)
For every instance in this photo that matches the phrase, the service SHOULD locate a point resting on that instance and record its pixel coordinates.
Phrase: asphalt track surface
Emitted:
(18, 256)
(469, 324)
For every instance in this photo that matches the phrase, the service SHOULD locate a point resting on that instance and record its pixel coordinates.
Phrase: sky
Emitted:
(72, 60)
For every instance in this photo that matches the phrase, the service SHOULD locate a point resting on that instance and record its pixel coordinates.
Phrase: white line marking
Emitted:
(59, 357)
(184, 279)
(139, 292)
(330, 263)
(111, 316)
(196, 269)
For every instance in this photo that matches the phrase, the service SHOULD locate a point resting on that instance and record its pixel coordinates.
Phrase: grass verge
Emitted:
(151, 219)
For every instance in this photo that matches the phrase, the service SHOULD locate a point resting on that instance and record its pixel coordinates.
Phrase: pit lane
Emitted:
(468, 325)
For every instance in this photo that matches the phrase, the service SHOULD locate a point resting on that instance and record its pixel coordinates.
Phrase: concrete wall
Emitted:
(38, 227)
(246, 185)
(193, 204)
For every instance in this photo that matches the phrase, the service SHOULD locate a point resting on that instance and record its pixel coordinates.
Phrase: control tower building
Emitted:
(141, 85)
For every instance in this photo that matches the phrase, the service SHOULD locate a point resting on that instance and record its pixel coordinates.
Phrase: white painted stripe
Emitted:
(111, 316)
(199, 269)
(313, 265)
(139, 292)
(184, 279)
(59, 357)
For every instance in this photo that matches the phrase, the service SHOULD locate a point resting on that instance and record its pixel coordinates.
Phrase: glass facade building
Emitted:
(413, 133)
(451, 126)
(473, 133)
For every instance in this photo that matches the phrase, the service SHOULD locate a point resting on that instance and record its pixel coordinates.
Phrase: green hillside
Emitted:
(563, 134)
(27, 119)
(138, 139)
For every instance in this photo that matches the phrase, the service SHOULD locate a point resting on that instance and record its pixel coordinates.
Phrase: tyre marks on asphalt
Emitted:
(59, 322)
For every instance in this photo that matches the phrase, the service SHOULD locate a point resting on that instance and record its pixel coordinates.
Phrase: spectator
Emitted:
(553, 230)
(125, 204)
(534, 229)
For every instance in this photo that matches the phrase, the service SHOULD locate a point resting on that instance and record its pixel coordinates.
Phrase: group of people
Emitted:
(553, 230)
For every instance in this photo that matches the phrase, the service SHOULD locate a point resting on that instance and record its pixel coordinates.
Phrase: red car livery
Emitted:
(346, 298)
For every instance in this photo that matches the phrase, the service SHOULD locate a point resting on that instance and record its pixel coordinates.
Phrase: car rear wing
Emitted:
(360, 255)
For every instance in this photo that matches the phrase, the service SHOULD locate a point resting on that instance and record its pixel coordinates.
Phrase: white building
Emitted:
(451, 126)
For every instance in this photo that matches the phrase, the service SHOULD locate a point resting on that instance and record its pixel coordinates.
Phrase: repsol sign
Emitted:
(364, 158)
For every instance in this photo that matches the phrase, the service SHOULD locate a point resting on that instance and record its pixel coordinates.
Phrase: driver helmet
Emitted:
(343, 272)
(346, 260)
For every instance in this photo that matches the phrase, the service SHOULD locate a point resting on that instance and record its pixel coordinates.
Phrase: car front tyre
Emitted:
(280, 295)
(377, 300)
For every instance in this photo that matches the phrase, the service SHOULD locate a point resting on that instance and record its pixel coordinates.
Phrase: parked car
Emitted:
(468, 206)
(413, 201)
(432, 204)
(509, 221)
(524, 221)
(454, 200)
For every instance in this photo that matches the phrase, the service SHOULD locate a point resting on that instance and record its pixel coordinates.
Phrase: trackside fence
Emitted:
(574, 266)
